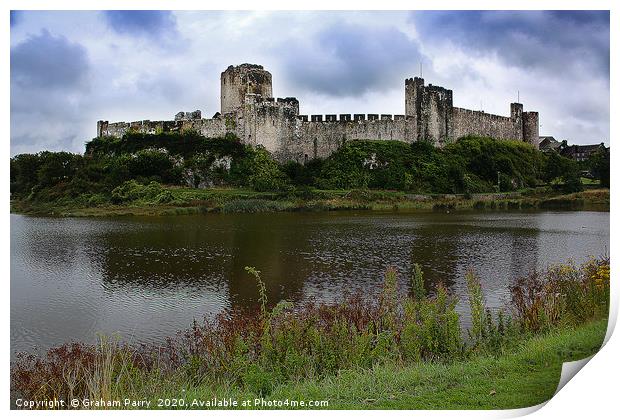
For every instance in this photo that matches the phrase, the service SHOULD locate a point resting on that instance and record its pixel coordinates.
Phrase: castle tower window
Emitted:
(316, 148)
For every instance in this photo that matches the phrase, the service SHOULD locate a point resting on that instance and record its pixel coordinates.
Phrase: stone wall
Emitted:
(215, 127)
(238, 81)
(268, 122)
(531, 128)
(320, 136)
(438, 121)
(249, 111)
(465, 121)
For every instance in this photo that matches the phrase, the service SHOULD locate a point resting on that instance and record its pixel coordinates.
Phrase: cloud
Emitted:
(550, 41)
(49, 80)
(16, 17)
(70, 69)
(350, 59)
(47, 61)
(148, 23)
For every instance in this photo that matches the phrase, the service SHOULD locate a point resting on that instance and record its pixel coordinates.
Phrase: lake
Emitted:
(145, 278)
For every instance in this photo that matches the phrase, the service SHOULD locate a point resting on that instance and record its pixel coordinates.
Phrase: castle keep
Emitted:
(249, 110)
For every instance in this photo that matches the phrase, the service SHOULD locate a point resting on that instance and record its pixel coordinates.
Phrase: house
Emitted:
(548, 143)
(581, 153)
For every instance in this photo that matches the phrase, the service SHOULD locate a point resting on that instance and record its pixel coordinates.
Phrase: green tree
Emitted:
(56, 167)
(599, 165)
(23, 175)
(264, 172)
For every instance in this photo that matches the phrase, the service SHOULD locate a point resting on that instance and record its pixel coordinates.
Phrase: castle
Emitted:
(249, 110)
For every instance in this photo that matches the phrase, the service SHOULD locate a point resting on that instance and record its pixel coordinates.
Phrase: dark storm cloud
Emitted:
(545, 40)
(48, 61)
(49, 79)
(152, 23)
(16, 16)
(349, 60)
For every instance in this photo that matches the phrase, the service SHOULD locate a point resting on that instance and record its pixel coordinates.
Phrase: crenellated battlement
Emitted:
(350, 118)
(250, 111)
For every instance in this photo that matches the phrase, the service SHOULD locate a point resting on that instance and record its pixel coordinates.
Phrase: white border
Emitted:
(594, 391)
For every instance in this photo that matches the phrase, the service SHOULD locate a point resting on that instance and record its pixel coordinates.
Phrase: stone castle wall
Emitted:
(250, 112)
(466, 121)
(215, 127)
(324, 135)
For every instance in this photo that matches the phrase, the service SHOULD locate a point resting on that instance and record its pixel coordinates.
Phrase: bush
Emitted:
(572, 183)
(486, 333)
(253, 205)
(469, 165)
(131, 191)
(564, 294)
(431, 329)
(261, 348)
(264, 173)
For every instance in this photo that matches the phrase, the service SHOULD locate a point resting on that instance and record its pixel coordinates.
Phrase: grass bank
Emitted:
(396, 349)
(180, 201)
(523, 376)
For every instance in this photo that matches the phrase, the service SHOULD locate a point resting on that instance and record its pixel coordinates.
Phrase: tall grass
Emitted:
(255, 205)
(563, 294)
(256, 350)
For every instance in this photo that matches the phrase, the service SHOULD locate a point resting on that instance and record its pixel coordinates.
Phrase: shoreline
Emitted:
(524, 375)
(232, 200)
(484, 382)
(396, 351)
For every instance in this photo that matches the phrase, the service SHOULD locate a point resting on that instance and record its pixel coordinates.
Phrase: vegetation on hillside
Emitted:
(263, 352)
(116, 171)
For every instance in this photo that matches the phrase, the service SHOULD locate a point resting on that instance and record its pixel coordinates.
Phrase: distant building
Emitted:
(548, 143)
(581, 153)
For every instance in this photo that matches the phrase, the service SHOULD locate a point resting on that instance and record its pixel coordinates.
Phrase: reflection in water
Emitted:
(146, 278)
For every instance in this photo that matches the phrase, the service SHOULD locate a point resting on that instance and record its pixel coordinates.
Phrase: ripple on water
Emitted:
(147, 278)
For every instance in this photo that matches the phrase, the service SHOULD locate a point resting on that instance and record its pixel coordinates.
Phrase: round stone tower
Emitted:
(530, 128)
(237, 81)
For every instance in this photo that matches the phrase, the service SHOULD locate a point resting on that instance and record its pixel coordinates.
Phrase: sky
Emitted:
(70, 69)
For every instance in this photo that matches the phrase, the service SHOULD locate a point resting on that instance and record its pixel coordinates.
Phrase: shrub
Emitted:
(431, 328)
(133, 191)
(260, 348)
(418, 291)
(254, 205)
(486, 333)
(477, 307)
(259, 171)
(564, 294)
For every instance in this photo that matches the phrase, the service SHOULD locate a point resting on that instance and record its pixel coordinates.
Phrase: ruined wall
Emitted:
(237, 81)
(268, 122)
(215, 127)
(436, 114)
(249, 111)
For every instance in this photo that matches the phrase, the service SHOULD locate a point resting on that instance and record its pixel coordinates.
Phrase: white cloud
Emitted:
(132, 75)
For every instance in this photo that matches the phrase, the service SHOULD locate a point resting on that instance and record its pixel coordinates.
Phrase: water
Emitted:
(146, 278)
